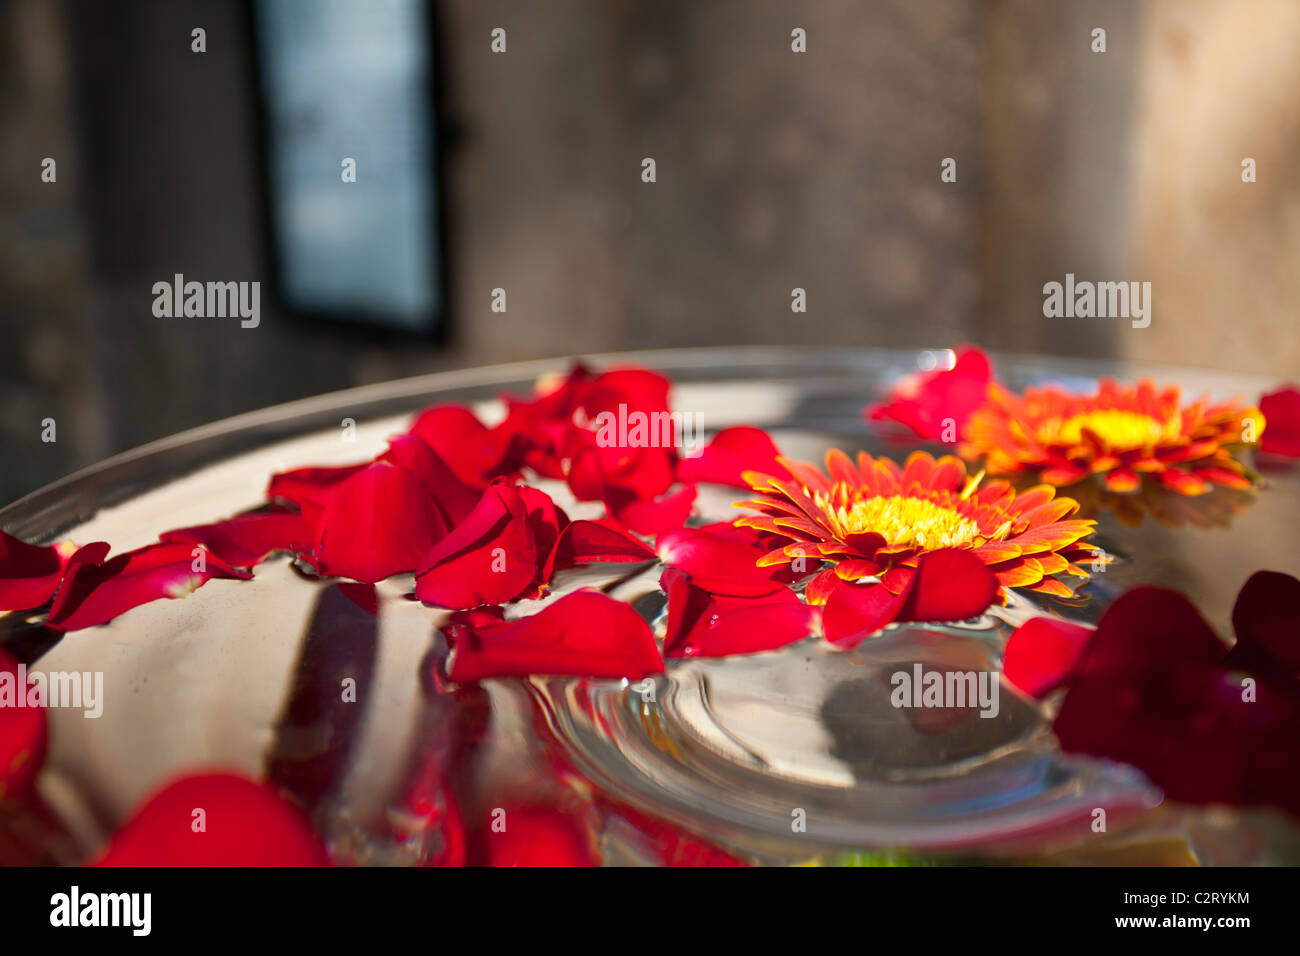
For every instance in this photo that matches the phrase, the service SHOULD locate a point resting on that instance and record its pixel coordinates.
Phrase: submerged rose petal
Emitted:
(23, 733)
(535, 835)
(216, 819)
(584, 634)
(703, 624)
(732, 452)
(926, 402)
(29, 573)
(1042, 653)
(1281, 411)
(247, 539)
(95, 590)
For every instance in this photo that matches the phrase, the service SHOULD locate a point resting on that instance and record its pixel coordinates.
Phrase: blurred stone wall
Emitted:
(775, 170)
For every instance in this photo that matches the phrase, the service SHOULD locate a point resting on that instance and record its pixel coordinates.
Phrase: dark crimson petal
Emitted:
(923, 401)
(247, 539)
(949, 585)
(732, 452)
(244, 823)
(1281, 411)
(646, 516)
(1266, 620)
(591, 542)
(1042, 653)
(29, 573)
(723, 559)
(454, 498)
(701, 624)
(584, 634)
(596, 471)
(94, 590)
(377, 523)
(23, 733)
(489, 558)
(535, 835)
(854, 612)
(1146, 629)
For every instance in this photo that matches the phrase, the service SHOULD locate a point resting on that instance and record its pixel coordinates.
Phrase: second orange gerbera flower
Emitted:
(1120, 433)
(874, 519)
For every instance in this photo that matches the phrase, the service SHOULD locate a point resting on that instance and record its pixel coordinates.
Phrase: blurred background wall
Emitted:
(774, 170)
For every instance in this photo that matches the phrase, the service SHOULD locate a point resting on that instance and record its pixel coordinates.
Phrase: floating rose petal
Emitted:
(701, 624)
(593, 542)
(468, 446)
(947, 585)
(95, 590)
(29, 573)
(1266, 620)
(646, 516)
(244, 823)
(308, 487)
(584, 634)
(379, 522)
(926, 402)
(492, 557)
(723, 558)
(732, 452)
(22, 732)
(1281, 411)
(1154, 689)
(247, 539)
(1042, 653)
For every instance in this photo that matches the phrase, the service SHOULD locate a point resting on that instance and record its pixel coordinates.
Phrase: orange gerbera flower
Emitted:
(874, 519)
(1121, 434)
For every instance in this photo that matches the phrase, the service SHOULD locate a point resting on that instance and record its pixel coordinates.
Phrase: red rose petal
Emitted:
(461, 440)
(490, 558)
(947, 585)
(29, 573)
(1266, 620)
(732, 452)
(454, 498)
(95, 591)
(723, 559)
(306, 487)
(241, 823)
(247, 539)
(379, 522)
(533, 836)
(651, 516)
(924, 401)
(23, 733)
(1042, 653)
(584, 634)
(592, 542)
(701, 624)
(1281, 411)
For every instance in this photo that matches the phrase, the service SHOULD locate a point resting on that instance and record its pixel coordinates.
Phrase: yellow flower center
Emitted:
(902, 520)
(1117, 428)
